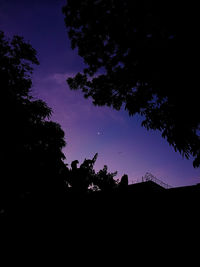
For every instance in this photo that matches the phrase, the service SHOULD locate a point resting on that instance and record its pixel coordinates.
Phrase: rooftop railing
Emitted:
(150, 177)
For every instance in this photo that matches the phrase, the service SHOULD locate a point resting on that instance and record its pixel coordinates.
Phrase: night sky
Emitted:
(121, 142)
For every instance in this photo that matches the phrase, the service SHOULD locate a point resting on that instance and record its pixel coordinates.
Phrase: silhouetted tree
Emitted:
(84, 178)
(105, 180)
(141, 55)
(32, 157)
(81, 178)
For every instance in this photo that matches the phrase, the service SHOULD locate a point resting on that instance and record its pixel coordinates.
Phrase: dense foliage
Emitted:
(31, 149)
(141, 55)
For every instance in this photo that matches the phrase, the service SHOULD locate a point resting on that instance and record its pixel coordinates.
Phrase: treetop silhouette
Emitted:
(85, 179)
(141, 55)
(31, 144)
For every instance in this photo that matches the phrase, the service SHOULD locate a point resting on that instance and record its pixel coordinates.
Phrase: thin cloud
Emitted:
(59, 78)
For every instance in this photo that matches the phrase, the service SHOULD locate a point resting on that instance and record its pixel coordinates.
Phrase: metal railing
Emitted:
(150, 177)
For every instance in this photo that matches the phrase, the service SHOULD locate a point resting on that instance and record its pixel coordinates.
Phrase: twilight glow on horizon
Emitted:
(121, 143)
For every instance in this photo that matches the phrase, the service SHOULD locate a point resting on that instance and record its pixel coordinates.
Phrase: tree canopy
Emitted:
(141, 56)
(32, 157)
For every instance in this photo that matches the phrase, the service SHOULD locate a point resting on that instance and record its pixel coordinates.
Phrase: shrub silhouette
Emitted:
(124, 181)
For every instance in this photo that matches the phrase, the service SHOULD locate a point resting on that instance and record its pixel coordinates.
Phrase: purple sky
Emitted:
(121, 142)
